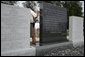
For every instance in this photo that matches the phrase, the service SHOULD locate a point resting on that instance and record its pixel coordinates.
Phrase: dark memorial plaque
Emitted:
(53, 24)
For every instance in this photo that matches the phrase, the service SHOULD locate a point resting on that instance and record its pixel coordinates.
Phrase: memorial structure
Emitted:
(53, 24)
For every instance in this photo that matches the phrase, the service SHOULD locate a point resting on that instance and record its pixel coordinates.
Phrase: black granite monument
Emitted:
(53, 24)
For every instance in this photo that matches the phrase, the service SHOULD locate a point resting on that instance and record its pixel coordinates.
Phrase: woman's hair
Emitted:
(36, 20)
(31, 8)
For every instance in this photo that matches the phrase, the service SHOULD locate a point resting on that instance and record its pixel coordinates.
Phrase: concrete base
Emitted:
(20, 52)
(78, 43)
(41, 50)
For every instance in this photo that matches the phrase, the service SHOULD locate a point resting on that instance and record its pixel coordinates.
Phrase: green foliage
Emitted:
(28, 4)
(58, 3)
(73, 9)
(9, 2)
(67, 32)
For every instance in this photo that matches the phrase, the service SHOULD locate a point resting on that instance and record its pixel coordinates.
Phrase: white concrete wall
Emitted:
(76, 30)
(15, 29)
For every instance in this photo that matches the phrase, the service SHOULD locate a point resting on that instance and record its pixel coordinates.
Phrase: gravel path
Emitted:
(78, 51)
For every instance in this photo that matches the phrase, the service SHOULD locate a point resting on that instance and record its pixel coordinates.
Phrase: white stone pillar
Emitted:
(76, 30)
(15, 30)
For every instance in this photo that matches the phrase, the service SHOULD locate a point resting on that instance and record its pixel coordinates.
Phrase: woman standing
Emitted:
(32, 24)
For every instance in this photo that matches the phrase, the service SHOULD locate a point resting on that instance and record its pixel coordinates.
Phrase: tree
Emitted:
(73, 9)
(31, 4)
(58, 3)
(9, 2)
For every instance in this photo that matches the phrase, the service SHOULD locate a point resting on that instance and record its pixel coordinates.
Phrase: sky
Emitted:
(20, 5)
(82, 6)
